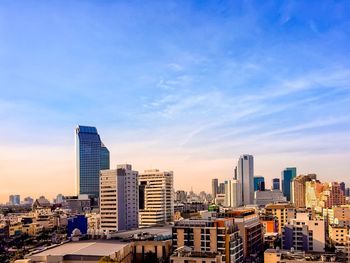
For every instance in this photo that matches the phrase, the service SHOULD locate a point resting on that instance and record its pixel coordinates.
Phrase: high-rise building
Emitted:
(299, 189)
(213, 235)
(244, 173)
(119, 198)
(14, 200)
(214, 187)
(259, 183)
(156, 204)
(276, 184)
(232, 193)
(342, 187)
(91, 157)
(287, 176)
(221, 189)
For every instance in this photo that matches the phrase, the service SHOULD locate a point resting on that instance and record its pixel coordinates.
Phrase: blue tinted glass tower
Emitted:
(287, 176)
(91, 157)
(259, 183)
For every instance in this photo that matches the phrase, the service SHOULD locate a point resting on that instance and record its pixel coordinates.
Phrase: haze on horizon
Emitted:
(186, 86)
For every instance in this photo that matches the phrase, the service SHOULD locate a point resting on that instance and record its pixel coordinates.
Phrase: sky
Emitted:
(186, 86)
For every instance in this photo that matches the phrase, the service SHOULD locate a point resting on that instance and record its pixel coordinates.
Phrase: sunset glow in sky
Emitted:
(186, 86)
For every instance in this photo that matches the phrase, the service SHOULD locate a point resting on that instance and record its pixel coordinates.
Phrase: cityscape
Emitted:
(177, 131)
(123, 215)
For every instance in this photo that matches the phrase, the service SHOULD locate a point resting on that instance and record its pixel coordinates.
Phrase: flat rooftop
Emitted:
(84, 248)
(156, 230)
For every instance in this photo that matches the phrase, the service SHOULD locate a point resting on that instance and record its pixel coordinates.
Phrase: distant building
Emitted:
(287, 176)
(156, 202)
(244, 173)
(259, 183)
(213, 235)
(180, 196)
(79, 204)
(214, 186)
(276, 184)
(233, 193)
(299, 189)
(119, 198)
(221, 189)
(304, 234)
(28, 201)
(91, 157)
(263, 198)
(342, 188)
(14, 200)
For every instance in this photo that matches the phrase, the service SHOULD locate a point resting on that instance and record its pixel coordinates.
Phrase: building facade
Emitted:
(276, 184)
(91, 157)
(287, 176)
(119, 198)
(259, 183)
(299, 189)
(216, 235)
(233, 193)
(244, 173)
(156, 201)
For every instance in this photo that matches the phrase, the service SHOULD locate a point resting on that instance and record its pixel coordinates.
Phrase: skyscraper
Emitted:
(259, 183)
(156, 197)
(119, 198)
(14, 200)
(287, 176)
(91, 157)
(276, 184)
(342, 187)
(214, 187)
(245, 175)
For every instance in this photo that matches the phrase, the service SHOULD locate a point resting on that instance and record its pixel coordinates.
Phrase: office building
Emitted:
(221, 189)
(233, 193)
(299, 189)
(304, 234)
(276, 184)
(156, 202)
(259, 183)
(213, 235)
(14, 200)
(244, 173)
(119, 198)
(214, 187)
(91, 157)
(287, 176)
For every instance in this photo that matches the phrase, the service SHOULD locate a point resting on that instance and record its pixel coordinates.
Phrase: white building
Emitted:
(156, 197)
(233, 193)
(244, 173)
(119, 198)
(263, 198)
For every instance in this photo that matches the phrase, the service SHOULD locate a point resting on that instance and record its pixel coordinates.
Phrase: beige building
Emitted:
(217, 236)
(337, 214)
(283, 212)
(186, 255)
(298, 189)
(338, 234)
(156, 197)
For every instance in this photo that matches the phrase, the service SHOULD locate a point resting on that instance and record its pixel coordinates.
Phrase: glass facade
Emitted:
(91, 157)
(275, 184)
(287, 176)
(259, 183)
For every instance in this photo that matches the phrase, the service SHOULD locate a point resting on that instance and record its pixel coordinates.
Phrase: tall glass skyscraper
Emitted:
(244, 173)
(287, 176)
(91, 157)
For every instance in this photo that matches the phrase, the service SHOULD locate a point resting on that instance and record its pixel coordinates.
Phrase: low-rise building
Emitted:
(263, 198)
(283, 212)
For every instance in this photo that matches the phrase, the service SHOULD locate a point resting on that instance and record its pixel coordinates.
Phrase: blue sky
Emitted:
(180, 85)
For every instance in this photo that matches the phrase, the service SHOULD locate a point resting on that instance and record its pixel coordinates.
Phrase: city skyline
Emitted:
(181, 86)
